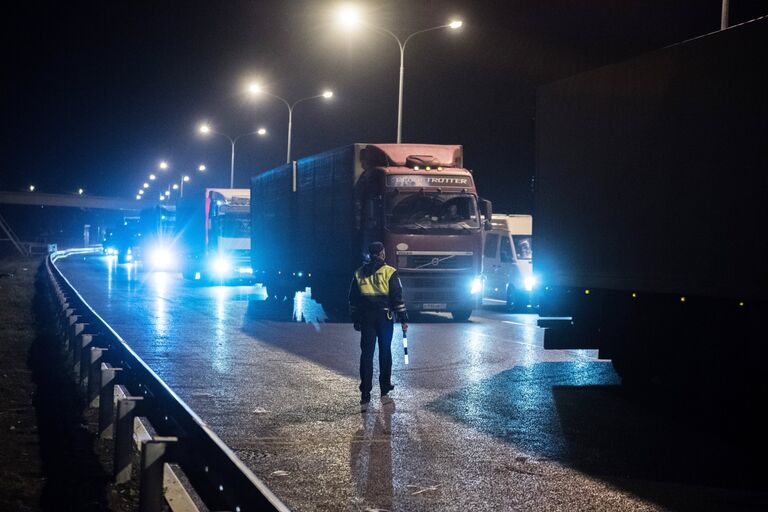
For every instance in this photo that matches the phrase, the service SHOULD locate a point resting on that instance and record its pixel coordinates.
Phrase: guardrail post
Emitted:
(94, 376)
(75, 331)
(126, 412)
(151, 476)
(85, 354)
(107, 401)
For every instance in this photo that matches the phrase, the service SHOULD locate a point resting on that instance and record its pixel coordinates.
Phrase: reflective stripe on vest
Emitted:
(375, 284)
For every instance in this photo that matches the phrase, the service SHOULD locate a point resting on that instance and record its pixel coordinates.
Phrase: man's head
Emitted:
(376, 250)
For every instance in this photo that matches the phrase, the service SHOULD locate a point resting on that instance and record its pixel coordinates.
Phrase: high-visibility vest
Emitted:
(376, 284)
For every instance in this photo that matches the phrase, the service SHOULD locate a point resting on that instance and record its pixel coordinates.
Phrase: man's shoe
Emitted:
(386, 400)
(364, 401)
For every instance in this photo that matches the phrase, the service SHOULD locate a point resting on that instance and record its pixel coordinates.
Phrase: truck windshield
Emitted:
(442, 213)
(523, 246)
(234, 225)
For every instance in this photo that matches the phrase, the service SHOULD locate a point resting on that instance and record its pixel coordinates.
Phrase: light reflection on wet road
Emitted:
(483, 419)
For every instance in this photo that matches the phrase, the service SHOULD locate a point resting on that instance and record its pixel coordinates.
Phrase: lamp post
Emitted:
(255, 89)
(205, 129)
(350, 18)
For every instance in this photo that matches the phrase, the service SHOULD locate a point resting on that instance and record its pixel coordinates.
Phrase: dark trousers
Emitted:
(375, 325)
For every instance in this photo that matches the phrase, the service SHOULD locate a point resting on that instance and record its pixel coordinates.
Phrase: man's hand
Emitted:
(405, 328)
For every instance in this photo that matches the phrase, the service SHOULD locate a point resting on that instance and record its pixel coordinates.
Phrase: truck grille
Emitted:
(435, 262)
(419, 289)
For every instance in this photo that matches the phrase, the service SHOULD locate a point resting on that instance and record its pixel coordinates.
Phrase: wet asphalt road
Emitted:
(483, 418)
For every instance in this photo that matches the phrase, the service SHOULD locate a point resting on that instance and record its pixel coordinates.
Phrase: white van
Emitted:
(508, 260)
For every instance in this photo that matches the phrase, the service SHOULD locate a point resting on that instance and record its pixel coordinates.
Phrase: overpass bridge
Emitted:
(44, 218)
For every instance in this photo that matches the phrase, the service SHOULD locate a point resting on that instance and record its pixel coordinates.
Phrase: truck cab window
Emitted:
(505, 251)
(491, 246)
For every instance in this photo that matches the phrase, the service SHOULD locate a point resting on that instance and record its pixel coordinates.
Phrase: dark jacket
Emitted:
(376, 286)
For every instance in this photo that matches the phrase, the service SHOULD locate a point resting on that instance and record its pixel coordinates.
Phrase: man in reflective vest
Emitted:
(375, 300)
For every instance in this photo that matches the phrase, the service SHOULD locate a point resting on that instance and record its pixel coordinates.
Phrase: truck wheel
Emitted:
(461, 315)
(511, 299)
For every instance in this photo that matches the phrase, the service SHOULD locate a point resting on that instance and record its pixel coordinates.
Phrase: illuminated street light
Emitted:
(184, 179)
(201, 168)
(80, 191)
(138, 197)
(162, 197)
(31, 188)
(175, 186)
(146, 185)
(256, 89)
(167, 192)
(349, 18)
(163, 165)
(141, 191)
(152, 177)
(206, 129)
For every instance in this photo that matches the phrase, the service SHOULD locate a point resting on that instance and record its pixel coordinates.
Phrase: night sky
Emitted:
(94, 95)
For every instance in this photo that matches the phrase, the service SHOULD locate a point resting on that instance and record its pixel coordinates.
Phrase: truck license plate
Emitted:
(434, 306)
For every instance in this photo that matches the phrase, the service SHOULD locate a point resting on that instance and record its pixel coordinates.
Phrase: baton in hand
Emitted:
(405, 345)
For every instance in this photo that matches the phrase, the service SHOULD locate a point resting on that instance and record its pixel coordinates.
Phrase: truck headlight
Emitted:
(221, 266)
(529, 283)
(162, 257)
(477, 286)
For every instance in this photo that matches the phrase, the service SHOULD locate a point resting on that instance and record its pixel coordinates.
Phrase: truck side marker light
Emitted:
(586, 292)
(428, 168)
(634, 295)
(309, 275)
(439, 168)
(682, 299)
(415, 167)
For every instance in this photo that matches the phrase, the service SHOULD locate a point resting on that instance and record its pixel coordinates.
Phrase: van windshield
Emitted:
(418, 212)
(523, 246)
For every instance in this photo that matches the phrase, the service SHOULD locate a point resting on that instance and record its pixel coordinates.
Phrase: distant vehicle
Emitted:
(508, 260)
(213, 234)
(313, 219)
(650, 204)
(159, 250)
(123, 240)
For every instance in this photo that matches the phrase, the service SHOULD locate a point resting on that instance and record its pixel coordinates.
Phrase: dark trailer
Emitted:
(651, 208)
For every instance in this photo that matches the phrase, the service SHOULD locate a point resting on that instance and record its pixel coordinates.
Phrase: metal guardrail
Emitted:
(135, 404)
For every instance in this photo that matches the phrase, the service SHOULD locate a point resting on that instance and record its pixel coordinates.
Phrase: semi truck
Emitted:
(313, 219)
(213, 236)
(650, 214)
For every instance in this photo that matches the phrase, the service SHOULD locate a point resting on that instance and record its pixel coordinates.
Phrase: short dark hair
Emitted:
(375, 248)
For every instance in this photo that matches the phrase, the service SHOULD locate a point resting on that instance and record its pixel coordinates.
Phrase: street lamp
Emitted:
(152, 177)
(206, 129)
(138, 197)
(255, 89)
(31, 188)
(349, 18)
(80, 191)
(201, 168)
(163, 165)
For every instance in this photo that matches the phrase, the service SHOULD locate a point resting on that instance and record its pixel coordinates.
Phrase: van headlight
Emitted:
(529, 283)
(477, 286)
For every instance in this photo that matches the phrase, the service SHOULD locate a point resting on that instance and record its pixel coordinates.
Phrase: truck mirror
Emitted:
(487, 225)
(486, 209)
